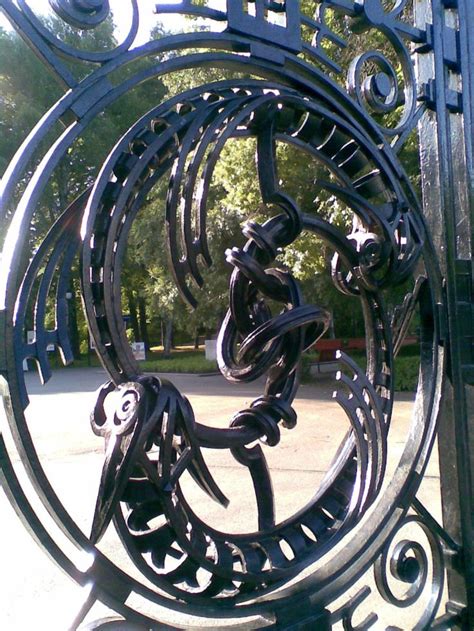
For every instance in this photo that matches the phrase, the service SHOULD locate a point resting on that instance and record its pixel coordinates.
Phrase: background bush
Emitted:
(406, 373)
(406, 368)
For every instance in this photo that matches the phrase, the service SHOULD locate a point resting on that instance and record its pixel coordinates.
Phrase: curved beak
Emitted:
(120, 457)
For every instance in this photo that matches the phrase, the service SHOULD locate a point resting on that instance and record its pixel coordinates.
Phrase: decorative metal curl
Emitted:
(406, 563)
(83, 14)
(379, 92)
(150, 493)
(184, 133)
(131, 423)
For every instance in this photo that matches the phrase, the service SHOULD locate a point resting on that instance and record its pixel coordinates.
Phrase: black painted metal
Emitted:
(356, 131)
(451, 174)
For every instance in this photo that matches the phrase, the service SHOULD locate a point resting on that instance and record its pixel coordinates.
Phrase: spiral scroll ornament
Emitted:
(408, 563)
(383, 81)
(83, 14)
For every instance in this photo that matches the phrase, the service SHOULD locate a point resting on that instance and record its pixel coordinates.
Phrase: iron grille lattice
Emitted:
(296, 74)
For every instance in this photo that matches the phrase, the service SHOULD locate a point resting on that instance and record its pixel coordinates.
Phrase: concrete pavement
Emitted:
(35, 594)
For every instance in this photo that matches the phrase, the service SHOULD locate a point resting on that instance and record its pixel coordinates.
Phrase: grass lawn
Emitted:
(183, 359)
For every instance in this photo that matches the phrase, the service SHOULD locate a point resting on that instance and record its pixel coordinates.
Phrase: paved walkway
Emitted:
(35, 594)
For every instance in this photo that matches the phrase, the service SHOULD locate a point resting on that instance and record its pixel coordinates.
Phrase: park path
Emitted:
(34, 590)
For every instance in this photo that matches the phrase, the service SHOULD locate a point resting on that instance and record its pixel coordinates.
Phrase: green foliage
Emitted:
(182, 362)
(406, 368)
(22, 104)
(406, 373)
(307, 360)
(84, 347)
(192, 362)
(234, 197)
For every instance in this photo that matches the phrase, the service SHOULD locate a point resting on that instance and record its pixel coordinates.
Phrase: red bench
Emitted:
(327, 349)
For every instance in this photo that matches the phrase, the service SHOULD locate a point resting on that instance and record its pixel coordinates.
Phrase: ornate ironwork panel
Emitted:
(345, 85)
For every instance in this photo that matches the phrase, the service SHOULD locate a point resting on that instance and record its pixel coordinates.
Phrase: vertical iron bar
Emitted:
(466, 438)
(446, 145)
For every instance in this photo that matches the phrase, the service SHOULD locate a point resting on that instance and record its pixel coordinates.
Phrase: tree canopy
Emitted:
(150, 297)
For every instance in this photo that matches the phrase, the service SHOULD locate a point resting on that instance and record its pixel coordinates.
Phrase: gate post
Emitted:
(447, 170)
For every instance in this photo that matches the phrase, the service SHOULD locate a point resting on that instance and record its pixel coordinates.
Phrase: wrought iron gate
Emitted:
(288, 73)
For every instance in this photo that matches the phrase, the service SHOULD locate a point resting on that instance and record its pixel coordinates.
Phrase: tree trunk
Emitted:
(332, 332)
(72, 323)
(168, 337)
(142, 322)
(62, 181)
(132, 308)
